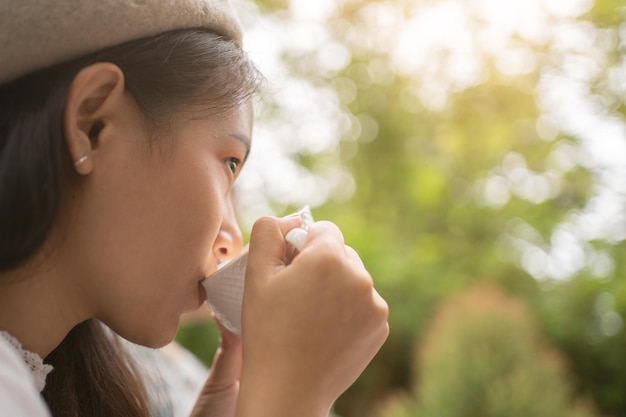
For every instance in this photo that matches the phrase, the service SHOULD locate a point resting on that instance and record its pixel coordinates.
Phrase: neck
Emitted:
(37, 307)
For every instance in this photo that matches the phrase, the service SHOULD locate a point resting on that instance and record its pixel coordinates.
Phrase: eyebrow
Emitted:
(245, 140)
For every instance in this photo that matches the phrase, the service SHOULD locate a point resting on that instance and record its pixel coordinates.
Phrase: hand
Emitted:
(309, 328)
(218, 397)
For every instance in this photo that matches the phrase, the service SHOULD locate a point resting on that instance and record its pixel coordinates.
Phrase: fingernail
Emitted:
(293, 217)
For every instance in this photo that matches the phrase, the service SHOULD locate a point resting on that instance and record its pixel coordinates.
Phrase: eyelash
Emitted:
(233, 164)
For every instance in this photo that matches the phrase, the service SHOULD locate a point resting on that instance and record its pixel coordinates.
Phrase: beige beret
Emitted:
(38, 33)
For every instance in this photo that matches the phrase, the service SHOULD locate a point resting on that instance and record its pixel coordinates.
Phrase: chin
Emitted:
(155, 337)
(156, 343)
(166, 335)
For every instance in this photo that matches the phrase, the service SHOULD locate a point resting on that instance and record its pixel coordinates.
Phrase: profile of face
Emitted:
(151, 215)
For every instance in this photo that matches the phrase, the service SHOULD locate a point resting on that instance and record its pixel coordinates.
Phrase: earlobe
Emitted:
(94, 95)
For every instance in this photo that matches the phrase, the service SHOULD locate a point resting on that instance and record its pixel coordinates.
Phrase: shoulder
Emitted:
(18, 394)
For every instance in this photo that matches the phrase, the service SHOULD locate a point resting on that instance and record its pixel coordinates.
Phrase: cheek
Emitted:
(195, 204)
(190, 231)
(155, 248)
(152, 226)
(182, 222)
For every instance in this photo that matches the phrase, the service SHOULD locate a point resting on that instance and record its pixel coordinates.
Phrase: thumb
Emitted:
(219, 395)
(226, 366)
(267, 248)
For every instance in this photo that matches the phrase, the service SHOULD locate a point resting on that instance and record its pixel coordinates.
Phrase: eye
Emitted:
(233, 164)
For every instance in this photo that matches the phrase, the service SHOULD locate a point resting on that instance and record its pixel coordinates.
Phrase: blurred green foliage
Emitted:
(422, 221)
(482, 357)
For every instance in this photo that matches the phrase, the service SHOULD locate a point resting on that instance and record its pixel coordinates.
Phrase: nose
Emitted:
(229, 240)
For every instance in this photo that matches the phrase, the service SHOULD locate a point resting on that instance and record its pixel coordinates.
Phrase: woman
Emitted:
(124, 125)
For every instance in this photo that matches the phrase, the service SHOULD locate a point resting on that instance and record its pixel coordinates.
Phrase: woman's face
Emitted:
(154, 219)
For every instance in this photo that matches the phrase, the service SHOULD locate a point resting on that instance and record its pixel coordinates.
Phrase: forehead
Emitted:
(234, 119)
(218, 114)
(235, 122)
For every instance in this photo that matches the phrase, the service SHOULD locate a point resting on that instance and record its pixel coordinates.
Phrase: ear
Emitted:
(94, 95)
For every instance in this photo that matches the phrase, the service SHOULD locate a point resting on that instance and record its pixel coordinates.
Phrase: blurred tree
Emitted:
(482, 357)
(485, 141)
(483, 184)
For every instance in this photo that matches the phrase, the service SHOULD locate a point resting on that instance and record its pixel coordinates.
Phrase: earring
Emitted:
(80, 160)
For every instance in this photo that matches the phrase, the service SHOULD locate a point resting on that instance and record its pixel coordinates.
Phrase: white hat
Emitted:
(35, 34)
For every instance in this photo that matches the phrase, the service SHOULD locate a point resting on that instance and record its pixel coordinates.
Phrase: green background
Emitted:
(427, 234)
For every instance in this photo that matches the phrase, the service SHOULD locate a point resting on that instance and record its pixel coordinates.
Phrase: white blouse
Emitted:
(173, 378)
(19, 395)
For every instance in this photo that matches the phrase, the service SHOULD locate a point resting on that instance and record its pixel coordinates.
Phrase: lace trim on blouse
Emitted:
(38, 369)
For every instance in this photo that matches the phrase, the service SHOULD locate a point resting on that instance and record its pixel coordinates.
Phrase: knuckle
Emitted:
(384, 334)
(379, 309)
(325, 225)
(363, 283)
(327, 258)
(383, 309)
(264, 222)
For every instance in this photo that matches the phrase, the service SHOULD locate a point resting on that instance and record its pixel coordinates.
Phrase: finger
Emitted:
(324, 233)
(267, 244)
(354, 257)
(381, 305)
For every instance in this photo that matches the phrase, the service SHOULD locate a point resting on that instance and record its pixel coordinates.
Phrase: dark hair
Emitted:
(163, 73)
